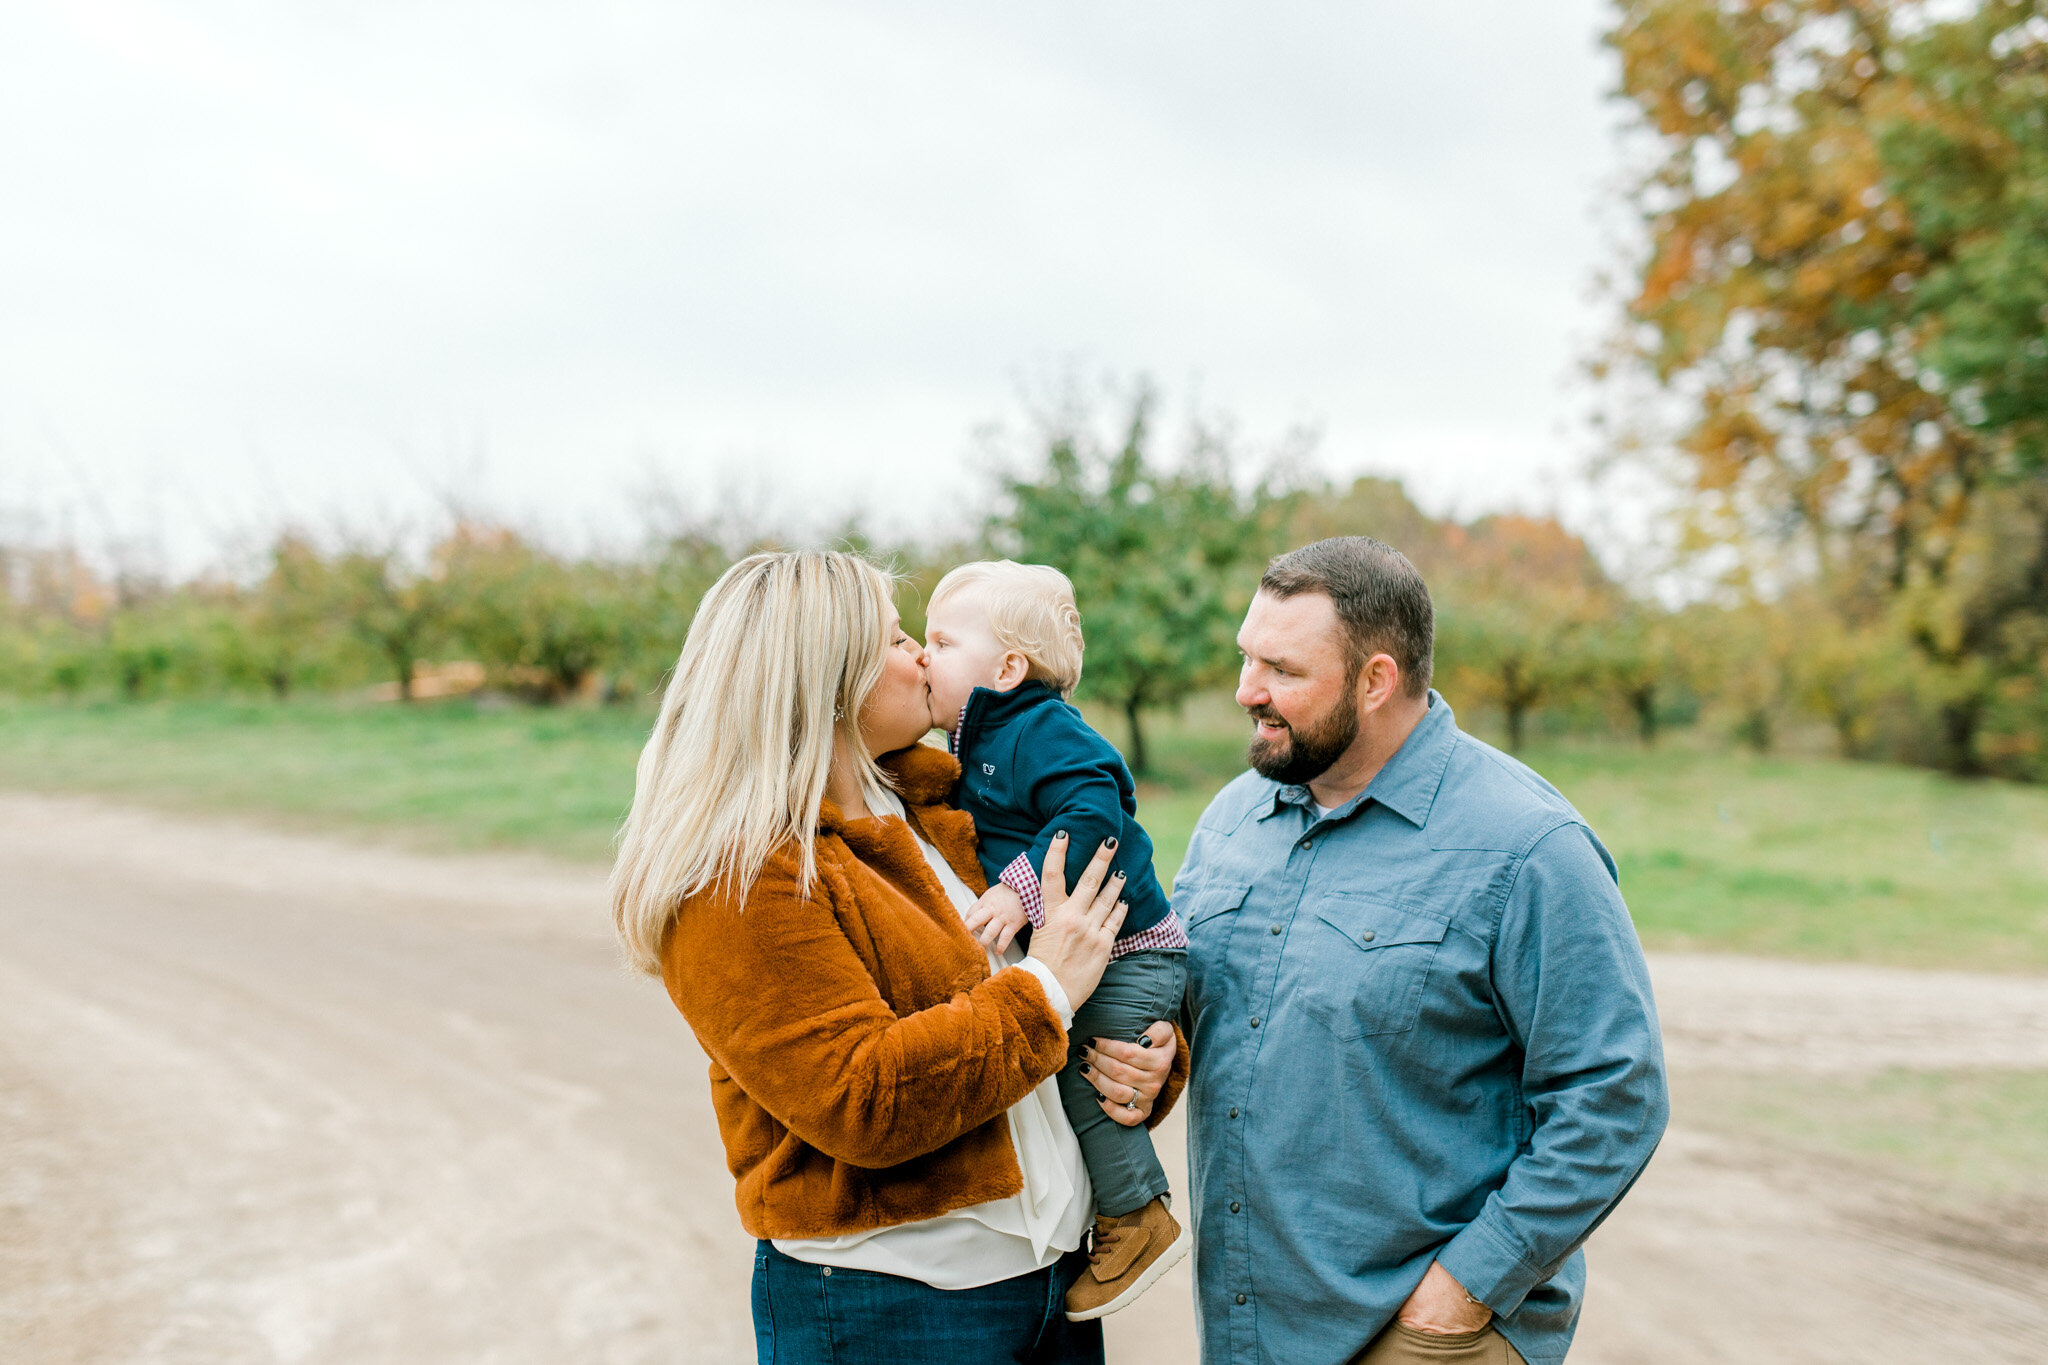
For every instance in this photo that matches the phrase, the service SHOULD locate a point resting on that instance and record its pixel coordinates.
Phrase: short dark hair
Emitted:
(1379, 596)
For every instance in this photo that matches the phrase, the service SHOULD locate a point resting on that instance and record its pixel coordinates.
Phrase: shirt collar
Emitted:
(1408, 783)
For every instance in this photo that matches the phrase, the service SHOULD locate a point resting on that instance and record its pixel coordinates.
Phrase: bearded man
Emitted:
(1426, 1061)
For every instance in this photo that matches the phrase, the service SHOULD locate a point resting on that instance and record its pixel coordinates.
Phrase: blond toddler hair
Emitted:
(1031, 610)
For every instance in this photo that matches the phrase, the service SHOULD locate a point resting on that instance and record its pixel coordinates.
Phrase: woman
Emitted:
(884, 1089)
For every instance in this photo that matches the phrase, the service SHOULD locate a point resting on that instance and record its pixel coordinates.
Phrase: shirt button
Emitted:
(1233, 1206)
(1233, 1111)
(1240, 1298)
(1276, 929)
(1368, 936)
(1308, 843)
(1255, 1022)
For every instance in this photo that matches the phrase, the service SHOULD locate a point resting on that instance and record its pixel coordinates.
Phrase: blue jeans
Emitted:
(810, 1315)
(1135, 993)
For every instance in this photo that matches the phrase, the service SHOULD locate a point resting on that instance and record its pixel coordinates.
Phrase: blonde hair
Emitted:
(1031, 610)
(784, 652)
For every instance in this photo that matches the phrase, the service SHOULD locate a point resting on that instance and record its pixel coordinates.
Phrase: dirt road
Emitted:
(268, 1098)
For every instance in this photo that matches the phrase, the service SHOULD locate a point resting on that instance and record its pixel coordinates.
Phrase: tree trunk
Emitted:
(1140, 764)
(1516, 700)
(1643, 700)
(1959, 722)
(280, 680)
(403, 662)
(1847, 725)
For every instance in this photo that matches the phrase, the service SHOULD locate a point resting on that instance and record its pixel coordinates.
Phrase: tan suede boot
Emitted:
(1127, 1257)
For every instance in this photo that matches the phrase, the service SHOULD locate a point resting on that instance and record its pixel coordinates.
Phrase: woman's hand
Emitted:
(1079, 928)
(1129, 1076)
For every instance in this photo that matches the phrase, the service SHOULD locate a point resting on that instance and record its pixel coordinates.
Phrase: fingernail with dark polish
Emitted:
(1145, 1040)
(1109, 843)
(1061, 835)
(1084, 1068)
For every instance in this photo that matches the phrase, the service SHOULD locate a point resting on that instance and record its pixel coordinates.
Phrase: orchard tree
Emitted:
(531, 616)
(1635, 659)
(1520, 602)
(1846, 282)
(1164, 560)
(393, 608)
(1984, 622)
(1376, 507)
(1842, 671)
(284, 618)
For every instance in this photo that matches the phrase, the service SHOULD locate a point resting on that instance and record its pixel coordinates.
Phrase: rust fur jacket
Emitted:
(862, 1056)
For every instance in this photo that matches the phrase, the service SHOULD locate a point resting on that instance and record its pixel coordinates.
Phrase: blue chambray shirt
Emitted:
(1421, 1028)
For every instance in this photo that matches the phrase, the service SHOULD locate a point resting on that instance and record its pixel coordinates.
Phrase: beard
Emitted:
(1302, 755)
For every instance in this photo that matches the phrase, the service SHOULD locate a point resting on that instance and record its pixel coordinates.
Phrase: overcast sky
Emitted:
(266, 260)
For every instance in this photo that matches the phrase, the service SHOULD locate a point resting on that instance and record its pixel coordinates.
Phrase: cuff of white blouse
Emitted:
(1054, 991)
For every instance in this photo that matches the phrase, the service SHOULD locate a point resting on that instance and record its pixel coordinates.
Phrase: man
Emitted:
(1426, 1058)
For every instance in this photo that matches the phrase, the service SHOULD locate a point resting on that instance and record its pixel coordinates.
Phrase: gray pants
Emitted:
(1136, 992)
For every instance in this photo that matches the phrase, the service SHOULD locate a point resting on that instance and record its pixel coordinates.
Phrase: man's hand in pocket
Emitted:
(1439, 1305)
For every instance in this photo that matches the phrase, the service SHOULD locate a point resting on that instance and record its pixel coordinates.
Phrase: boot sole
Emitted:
(1168, 1259)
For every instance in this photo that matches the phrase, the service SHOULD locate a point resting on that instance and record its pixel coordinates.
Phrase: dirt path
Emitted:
(272, 1098)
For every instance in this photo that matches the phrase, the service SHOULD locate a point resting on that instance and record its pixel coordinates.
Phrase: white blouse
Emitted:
(1003, 1238)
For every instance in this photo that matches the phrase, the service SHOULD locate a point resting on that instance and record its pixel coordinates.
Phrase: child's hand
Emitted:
(995, 919)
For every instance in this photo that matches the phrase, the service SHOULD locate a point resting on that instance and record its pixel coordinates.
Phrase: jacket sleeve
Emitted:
(777, 996)
(1574, 992)
(1071, 780)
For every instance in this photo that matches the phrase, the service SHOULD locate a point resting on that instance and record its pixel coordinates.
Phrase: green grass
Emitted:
(436, 774)
(1819, 858)
(1981, 1133)
(1801, 857)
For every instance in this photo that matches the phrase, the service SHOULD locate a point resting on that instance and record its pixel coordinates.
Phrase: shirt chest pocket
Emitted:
(1204, 906)
(1209, 914)
(1366, 965)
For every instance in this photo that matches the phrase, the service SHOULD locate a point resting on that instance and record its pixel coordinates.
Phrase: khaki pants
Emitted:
(1399, 1345)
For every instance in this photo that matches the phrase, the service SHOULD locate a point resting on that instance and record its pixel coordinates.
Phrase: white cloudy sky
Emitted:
(262, 260)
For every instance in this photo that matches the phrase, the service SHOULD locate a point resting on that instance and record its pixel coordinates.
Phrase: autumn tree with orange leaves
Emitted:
(1524, 612)
(1846, 288)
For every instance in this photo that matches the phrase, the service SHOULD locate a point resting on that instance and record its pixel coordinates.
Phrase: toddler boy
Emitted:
(1003, 644)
